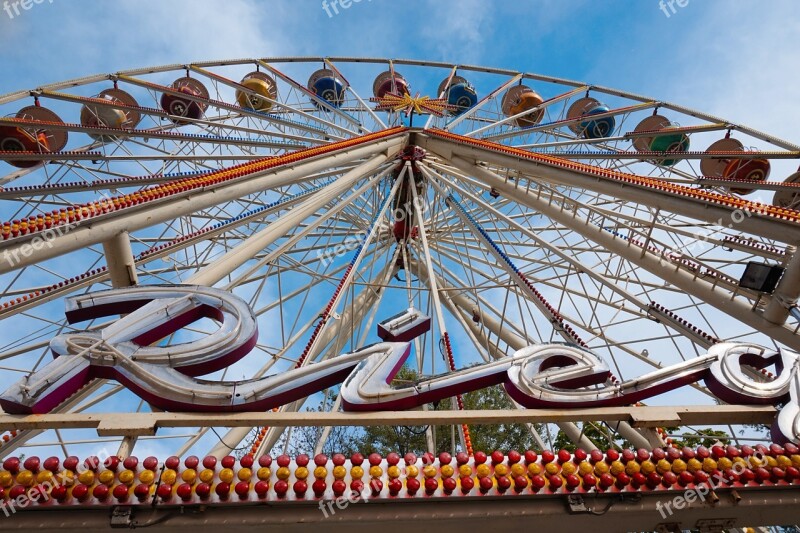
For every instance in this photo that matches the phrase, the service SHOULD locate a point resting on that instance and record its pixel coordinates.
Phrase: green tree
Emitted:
(404, 439)
(701, 437)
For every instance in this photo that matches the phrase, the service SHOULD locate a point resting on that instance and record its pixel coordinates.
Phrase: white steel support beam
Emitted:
(284, 224)
(126, 446)
(102, 228)
(120, 261)
(434, 290)
(143, 424)
(463, 156)
(698, 287)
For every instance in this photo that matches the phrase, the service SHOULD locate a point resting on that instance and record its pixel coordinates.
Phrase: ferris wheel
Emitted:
(333, 195)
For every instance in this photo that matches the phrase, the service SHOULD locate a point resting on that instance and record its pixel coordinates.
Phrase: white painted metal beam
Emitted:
(102, 228)
(111, 424)
(700, 288)
(773, 228)
(120, 261)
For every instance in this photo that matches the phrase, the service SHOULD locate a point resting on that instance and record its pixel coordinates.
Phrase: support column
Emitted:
(126, 447)
(120, 262)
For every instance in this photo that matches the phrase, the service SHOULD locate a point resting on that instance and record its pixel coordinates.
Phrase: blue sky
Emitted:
(737, 59)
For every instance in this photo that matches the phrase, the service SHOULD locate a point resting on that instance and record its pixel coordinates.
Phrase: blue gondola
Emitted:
(461, 93)
(327, 86)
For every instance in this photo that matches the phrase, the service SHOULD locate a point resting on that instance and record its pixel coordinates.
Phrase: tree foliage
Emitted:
(404, 439)
(503, 437)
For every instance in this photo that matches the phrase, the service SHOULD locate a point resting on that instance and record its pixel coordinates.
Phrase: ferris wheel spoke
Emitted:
(324, 103)
(690, 283)
(481, 103)
(316, 351)
(348, 87)
(313, 204)
(311, 118)
(542, 243)
(513, 119)
(159, 134)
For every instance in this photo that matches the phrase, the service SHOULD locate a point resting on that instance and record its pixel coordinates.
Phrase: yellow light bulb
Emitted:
(226, 475)
(169, 477)
(127, 477)
(339, 472)
(189, 475)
